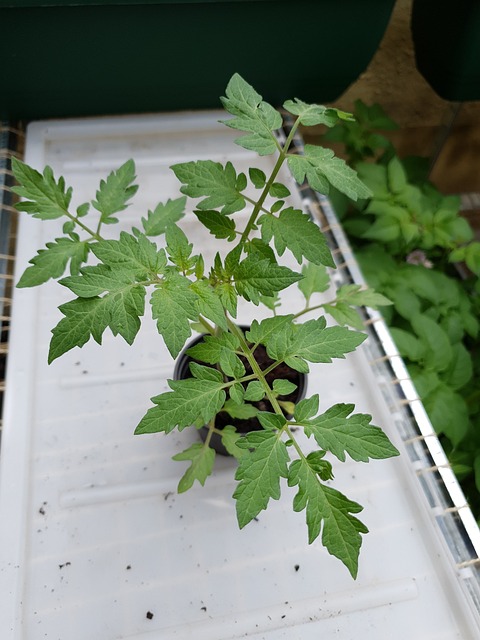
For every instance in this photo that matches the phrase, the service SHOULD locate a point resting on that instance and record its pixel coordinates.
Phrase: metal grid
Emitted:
(12, 138)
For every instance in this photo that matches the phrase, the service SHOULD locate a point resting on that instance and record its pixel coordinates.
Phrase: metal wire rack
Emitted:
(12, 138)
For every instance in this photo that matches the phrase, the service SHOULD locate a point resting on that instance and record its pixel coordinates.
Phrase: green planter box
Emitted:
(107, 57)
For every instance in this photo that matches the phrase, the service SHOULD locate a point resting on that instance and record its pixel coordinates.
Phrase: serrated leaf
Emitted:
(173, 305)
(210, 179)
(339, 432)
(322, 168)
(327, 511)
(314, 114)
(44, 197)
(256, 275)
(315, 280)
(306, 408)
(190, 400)
(259, 473)
(89, 317)
(438, 354)
(271, 420)
(163, 215)
(52, 261)
(209, 303)
(220, 350)
(202, 459)
(115, 191)
(344, 314)
(205, 373)
(139, 255)
(179, 248)
(253, 115)
(294, 230)
(219, 225)
(230, 438)
(243, 411)
(315, 342)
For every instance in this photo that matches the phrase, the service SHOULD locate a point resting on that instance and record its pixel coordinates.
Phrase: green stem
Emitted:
(259, 204)
(258, 373)
(94, 234)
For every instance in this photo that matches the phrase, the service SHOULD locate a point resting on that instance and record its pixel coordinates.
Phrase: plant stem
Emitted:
(259, 204)
(94, 234)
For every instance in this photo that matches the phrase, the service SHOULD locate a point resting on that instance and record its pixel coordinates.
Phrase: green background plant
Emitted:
(409, 239)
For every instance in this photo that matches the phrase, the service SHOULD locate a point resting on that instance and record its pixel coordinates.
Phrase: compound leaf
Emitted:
(202, 459)
(327, 511)
(339, 432)
(253, 115)
(52, 261)
(259, 473)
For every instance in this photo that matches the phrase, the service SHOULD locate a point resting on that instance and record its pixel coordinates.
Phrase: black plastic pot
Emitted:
(182, 371)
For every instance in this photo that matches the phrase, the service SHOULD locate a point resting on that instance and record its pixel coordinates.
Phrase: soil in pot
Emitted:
(243, 426)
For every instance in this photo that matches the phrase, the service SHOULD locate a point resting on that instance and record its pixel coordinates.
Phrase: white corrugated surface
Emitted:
(92, 533)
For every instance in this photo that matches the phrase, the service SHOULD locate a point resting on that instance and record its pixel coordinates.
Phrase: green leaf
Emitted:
(209, 303)
(190, 400)
(356, 295)
(237, 392)
(45, 198)
(255, 391)
(306, 408)
(278, 190)
(179, 248)
(321, 168)
(315, 342)
(173, 305)
(344, 314)
(211, 179)
(315, 280)
(219, 225)
(339, 432)
(314, 114)
(438, 353)
(205, 373)
(139, 255)
(93, 281)
(89, 317)
(202, 459)
(460, 371)
(220, 349)
(271, 420)
(240, 411)
(448, 412)
(163, 215)
(52, 261)
(283, 387)
(330, 508)
(258, 177)
(253, 115)
(397, 178)
(256, 275)
(115, 191)
(259, 473)
(279, 327)
(294, 230)
(408, 345)
(230, 438)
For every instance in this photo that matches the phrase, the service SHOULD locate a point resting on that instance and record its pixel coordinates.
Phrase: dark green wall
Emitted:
(110, 58)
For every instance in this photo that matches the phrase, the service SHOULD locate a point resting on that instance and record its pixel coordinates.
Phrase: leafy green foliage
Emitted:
(408, 237)
(115, 191)
(44, 197)
(252, 115)
(225, 377)
(52, 261)
(327, 511)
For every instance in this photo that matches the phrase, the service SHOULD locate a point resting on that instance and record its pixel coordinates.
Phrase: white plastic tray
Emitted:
(93, 537)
